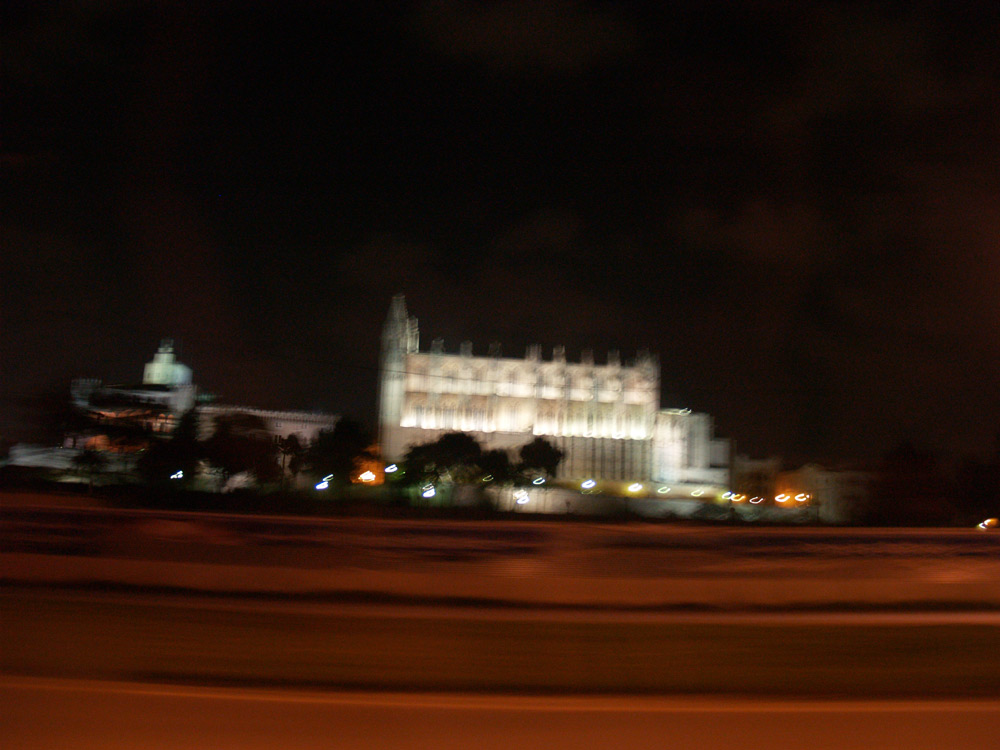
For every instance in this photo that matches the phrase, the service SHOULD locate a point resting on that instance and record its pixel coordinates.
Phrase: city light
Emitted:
(368, 476)
(697, 493)
(802, 497)
(177, 475)
(634, 487)
(322, 485)
(391, 469)
(663, 490)
(538, 480)
(521, 496)
(738, 498)
(756, 500)
(488, 478)
(428, 491)
(588, 484)
(782, 498)
(728, 494)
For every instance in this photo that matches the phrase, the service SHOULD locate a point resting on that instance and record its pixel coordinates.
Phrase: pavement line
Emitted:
(540, 613)
(520, 703)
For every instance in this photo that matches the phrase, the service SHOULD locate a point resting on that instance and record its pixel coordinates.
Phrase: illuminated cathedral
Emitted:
(604, 417)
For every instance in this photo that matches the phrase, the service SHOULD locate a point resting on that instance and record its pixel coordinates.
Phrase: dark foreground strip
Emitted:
(407, 600)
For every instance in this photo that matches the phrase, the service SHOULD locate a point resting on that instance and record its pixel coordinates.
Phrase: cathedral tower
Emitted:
(400, 336)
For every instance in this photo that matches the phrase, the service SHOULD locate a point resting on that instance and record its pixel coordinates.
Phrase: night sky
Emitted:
(797, 205)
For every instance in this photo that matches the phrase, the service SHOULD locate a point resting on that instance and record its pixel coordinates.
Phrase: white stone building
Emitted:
(305, 425)
(605, 417)
(167, 392)
(164, 369)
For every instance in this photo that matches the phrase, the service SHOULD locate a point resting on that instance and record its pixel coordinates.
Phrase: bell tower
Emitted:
(400, 336)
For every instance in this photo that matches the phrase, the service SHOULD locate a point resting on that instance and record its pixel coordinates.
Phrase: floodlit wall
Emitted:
(303, 424)
(164, 369)
(685, 451)
(605, 417)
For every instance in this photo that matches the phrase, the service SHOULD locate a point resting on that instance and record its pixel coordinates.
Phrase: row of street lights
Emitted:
(783, 498)
(521, 496)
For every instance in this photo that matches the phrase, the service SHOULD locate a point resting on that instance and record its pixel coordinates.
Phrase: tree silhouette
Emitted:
(911, 488)
(177, 454)
(978, 488)
(542, 456)
(454, 455)
(497, 465)
(89, 463)
(241, 443)
(337, 451)
(55, 414)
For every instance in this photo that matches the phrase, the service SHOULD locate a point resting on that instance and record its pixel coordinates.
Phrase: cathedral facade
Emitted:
(604, 417)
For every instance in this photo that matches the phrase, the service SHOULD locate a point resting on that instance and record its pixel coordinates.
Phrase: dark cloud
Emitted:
(558, 37)
(796, 206)
(854, 58)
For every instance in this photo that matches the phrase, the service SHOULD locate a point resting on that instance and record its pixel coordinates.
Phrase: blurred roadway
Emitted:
(503, 562)
(40, 714)
(254, 641)
(772, 615)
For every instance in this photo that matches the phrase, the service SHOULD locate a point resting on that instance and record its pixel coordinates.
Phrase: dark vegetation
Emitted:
(184, 470)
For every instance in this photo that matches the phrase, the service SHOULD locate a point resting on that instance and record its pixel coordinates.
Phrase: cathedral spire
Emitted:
(400, 331)
(397, 311)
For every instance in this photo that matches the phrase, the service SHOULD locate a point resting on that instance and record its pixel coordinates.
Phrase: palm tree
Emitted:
(291, 456)
(89, 463)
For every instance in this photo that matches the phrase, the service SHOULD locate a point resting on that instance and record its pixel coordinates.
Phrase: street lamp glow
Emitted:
(802, 497)
(663, 490)
(521, 496)
(538, 480)
(588, 484)
(391, 469)
(728, 494)
(697, 493)
(322, 485)
(756, 500)
(634, 487)
(177, 475)
(782, 498)
(428, 491)
(368, 476)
